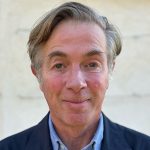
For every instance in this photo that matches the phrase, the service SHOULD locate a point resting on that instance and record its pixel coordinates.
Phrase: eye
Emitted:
(59, 67)
(93, 67)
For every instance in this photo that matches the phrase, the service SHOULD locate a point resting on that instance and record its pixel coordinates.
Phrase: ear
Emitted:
(33, 70)
(113, 65)
(111, 71)
(36, 75)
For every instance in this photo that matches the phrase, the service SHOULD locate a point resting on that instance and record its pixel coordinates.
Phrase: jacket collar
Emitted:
(113, 138)
(40, 138)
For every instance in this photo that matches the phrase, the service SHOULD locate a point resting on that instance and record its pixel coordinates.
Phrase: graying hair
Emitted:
(71, 11)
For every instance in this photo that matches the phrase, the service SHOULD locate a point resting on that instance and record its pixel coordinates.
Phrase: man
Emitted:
(72, 51)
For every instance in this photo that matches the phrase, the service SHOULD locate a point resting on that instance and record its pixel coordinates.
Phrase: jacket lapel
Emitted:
(40, 138)
(113, 138)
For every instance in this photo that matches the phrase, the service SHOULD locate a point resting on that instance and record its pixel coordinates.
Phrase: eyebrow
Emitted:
(62, 54)
(94, 52)
(57, 53)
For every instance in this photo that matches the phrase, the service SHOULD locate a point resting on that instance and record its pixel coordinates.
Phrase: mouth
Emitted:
(76, 101)
(76, 104)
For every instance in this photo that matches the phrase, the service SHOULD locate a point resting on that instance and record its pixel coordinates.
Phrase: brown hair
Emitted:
(73, 11)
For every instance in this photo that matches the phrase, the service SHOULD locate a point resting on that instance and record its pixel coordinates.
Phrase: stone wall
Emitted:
(128, 99)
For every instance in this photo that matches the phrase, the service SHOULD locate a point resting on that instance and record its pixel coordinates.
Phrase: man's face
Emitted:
(74, 73)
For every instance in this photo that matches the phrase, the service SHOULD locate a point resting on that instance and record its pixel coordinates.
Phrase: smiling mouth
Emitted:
(76, 101)
(76, 106)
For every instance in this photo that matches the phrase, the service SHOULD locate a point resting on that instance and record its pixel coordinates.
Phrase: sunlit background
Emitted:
(128, 100)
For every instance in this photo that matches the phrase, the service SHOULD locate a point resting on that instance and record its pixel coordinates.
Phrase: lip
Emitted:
(76, 101)
(76, 106)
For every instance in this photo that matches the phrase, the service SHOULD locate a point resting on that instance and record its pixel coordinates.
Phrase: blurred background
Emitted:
(22, 105)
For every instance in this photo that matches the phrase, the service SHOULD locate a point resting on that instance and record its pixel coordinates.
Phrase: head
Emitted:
(77, 12)
(72, 51)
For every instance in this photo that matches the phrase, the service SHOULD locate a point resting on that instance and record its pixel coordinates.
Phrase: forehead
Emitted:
(72, 36)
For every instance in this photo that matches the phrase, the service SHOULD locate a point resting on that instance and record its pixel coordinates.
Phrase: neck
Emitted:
(76, 137)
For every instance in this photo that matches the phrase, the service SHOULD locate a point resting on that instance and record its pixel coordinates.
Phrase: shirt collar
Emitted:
(97, 139)
(95, 142)
(53, 135)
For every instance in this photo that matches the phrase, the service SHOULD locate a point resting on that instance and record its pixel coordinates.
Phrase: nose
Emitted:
(76, 80)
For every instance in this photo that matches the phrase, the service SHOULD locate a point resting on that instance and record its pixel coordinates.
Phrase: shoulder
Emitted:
(28, 139)
(16, 141)
(135, 138)
(126, 136)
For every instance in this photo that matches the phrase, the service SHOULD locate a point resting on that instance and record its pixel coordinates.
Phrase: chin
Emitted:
(77, 119)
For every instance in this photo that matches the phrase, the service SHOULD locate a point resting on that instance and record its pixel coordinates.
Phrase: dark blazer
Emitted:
(116, 137)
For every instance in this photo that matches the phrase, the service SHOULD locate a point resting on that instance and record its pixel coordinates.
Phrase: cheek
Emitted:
(98, 84)
(51, 86)
(98, 88)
